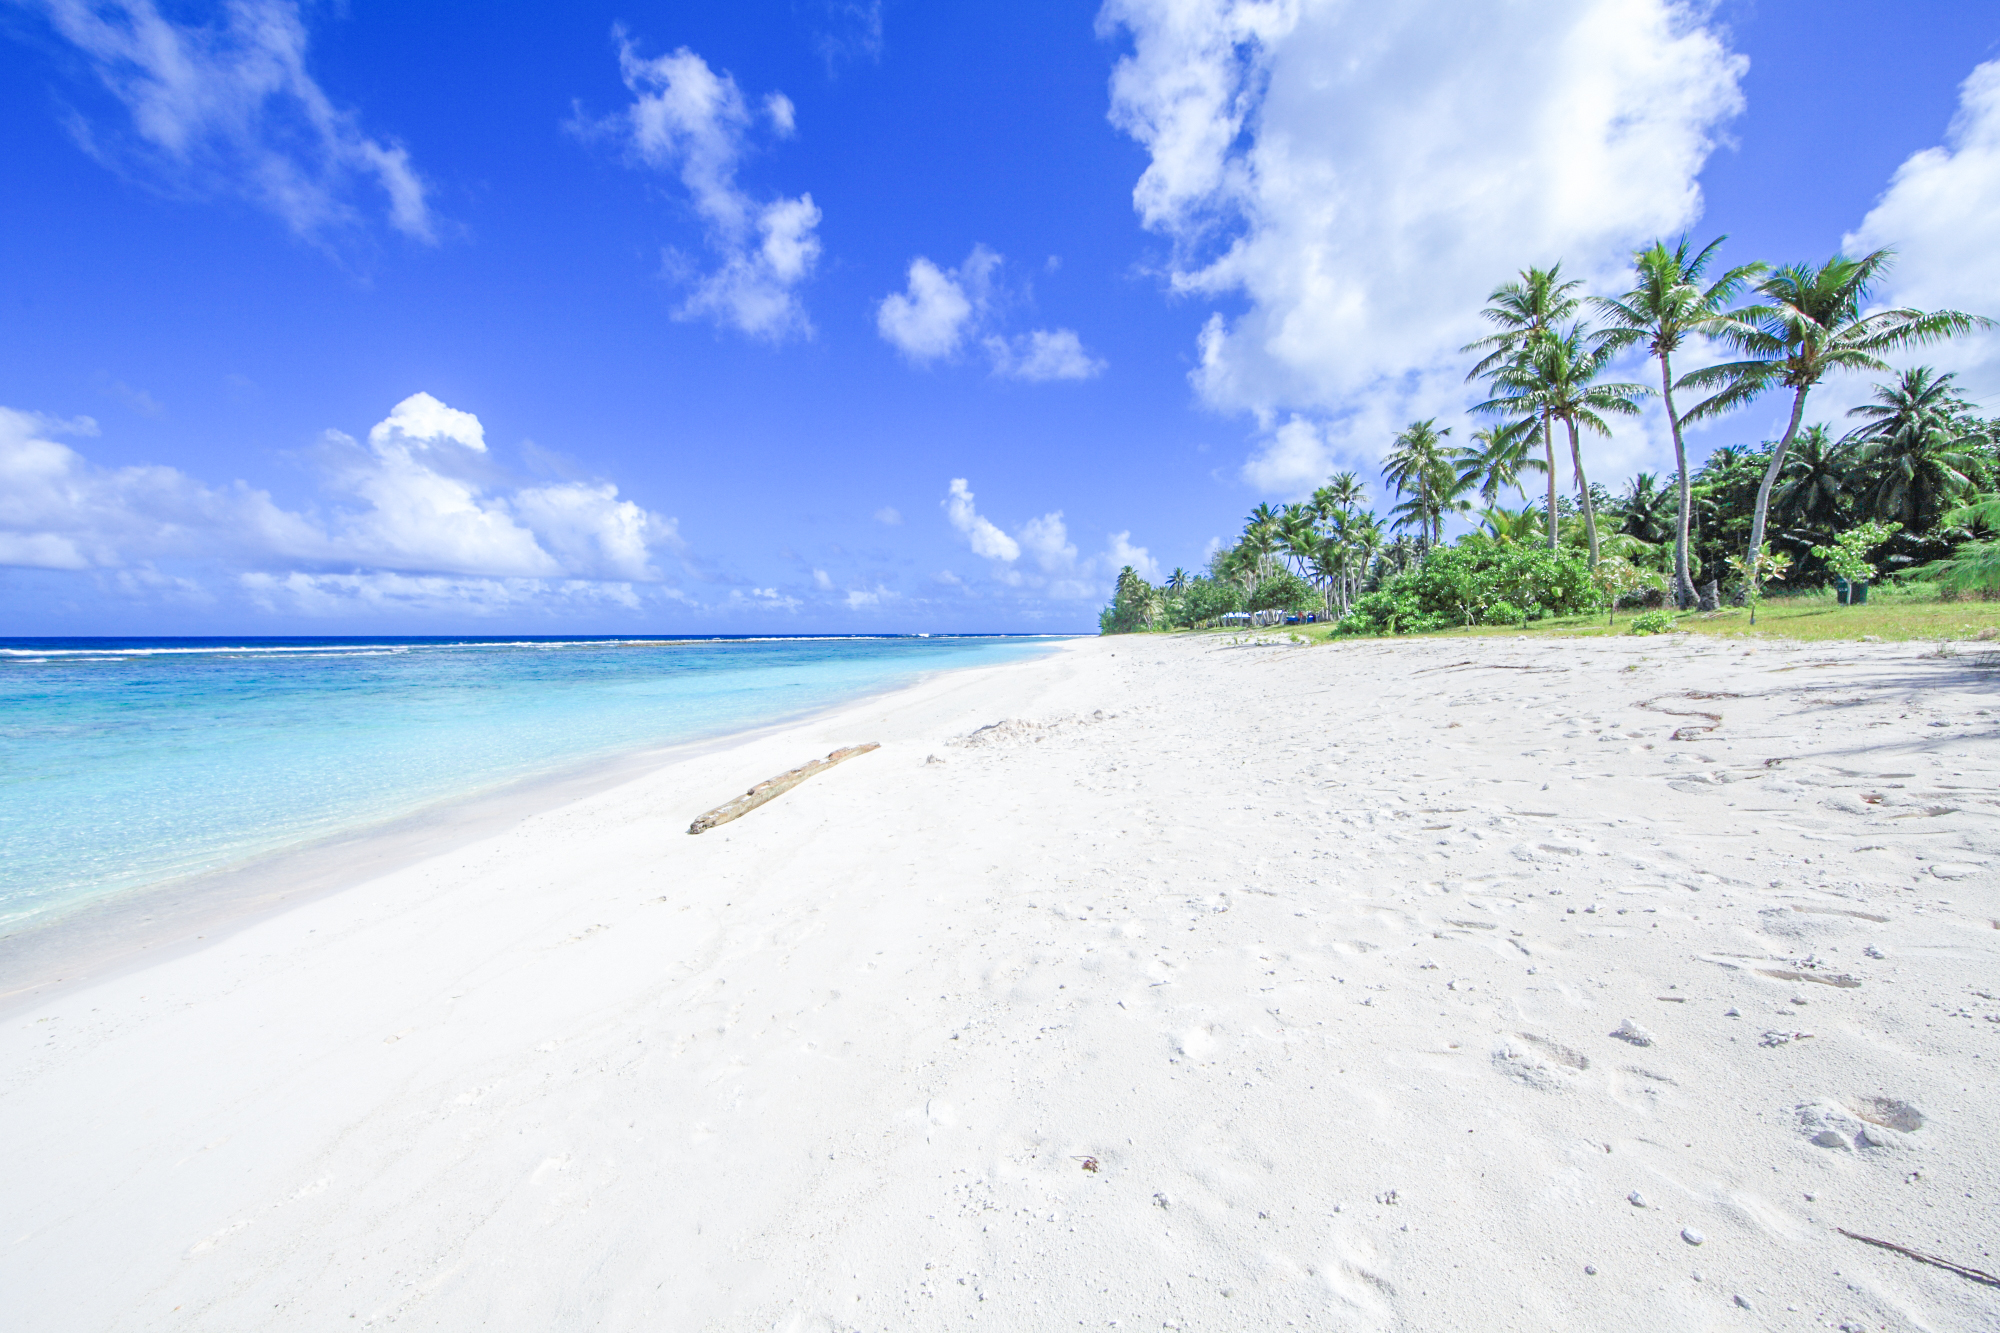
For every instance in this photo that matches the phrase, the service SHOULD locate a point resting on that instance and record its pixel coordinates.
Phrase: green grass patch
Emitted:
(1892, 614)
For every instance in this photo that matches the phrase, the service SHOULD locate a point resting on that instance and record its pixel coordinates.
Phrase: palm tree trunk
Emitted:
(1549, 448)
(1684, 594)
(1771, 480)
(1583, 490)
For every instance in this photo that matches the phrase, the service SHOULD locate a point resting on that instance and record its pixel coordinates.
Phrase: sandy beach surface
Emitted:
(1454, 985)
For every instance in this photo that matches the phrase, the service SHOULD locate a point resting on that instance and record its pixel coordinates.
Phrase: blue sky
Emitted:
(822, 315)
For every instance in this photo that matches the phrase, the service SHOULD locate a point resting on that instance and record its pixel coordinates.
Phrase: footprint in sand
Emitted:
(1539, 1062)
(1860, 1122)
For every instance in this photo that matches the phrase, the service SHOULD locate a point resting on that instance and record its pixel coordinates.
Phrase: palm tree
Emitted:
(1921, 398)
(1916, 474)
(1811, 323)
(1298, 535)
(1260, 537)
(1422, 468)
(1363, 532)
(1343, 491)
(1669, 304)
(1509, 527)
(1236, 564)
(1330, 560)
(1916, 449)
(1642, 507)
(1810, 490)
(1556, 378)
(1178, 580)
(1525, 311)
(1499, 458)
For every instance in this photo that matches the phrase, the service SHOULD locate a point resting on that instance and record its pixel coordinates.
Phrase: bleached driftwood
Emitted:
(775, 787)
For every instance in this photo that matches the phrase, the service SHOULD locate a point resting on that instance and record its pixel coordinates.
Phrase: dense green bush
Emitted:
(1284, 591)
(1476, 585)
(1202, 600)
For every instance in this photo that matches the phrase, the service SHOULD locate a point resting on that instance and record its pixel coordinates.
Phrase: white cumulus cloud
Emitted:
(940, 309)
(1047, 539)
(929, 319)
(1122, 553)
(1361, 176)
(1942, 214)
(687, 119)
(229, 106)
(419, 501)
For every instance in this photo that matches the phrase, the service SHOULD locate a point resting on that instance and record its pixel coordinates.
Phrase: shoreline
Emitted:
(120, 931)
(1482, 984)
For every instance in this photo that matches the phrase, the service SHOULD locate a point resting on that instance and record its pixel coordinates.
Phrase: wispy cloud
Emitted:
(940, 310)
(1045, 354)
(230, 107)
(688, 119)
(848, 30)
(978, 531)
(1060, 573)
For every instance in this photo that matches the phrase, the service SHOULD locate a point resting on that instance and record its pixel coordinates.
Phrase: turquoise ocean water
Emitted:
(128, 762)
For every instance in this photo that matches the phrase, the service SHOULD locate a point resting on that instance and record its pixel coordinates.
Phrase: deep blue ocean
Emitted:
(127, 762)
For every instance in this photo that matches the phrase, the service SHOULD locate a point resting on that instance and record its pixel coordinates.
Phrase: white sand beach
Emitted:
(1381, 985)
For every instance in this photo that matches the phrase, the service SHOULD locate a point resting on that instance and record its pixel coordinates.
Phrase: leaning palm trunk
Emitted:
(1771, 480)
(1583, 490)
(1684, 594)
(1549, 448)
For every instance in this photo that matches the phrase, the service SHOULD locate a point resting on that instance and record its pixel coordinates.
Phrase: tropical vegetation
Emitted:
(1907, 485)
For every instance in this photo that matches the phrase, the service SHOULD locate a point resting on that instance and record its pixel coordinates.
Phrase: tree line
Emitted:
(1905, 474)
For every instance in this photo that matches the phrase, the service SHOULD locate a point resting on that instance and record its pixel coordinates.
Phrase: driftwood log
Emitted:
(774, 788)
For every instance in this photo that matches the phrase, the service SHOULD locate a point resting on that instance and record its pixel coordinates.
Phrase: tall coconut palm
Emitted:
(1670, 304)
(1422, 468)
(1298, 535)
(1343, 491)
(1364, 535)
(1178, 580)
(1523, 312)
(1810, 323)
(1497, 460)
(1260, 537)
(1330, 561)
(1556, 378)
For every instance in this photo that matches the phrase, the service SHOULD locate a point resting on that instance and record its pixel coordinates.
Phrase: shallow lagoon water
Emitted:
(126, 762)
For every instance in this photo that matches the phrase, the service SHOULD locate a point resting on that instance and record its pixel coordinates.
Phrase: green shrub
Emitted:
(1203, 600)
(1284, 591)
(1650, 622)
(1476, 585)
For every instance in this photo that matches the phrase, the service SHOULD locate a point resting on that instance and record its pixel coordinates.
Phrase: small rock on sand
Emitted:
(1632, 1032)
(1691, 1236)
